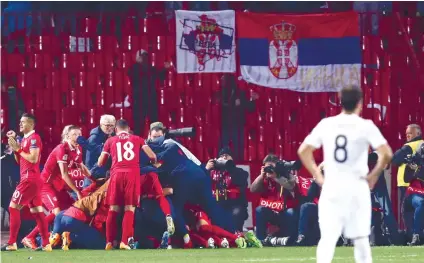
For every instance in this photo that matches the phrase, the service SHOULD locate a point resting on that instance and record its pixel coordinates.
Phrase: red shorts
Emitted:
(55, 199)
(150, 186)
(27, 193)
(124, 188)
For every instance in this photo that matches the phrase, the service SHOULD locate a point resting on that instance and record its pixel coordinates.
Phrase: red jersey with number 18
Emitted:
(124, 148)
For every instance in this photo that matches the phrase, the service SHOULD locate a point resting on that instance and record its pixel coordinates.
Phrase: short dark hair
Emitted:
(271, 158)
(30, 116)
(350, 98)
(122, 124)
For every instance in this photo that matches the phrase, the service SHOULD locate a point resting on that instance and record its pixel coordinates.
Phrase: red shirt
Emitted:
(63, 153)
(124, 148)
(29, 170)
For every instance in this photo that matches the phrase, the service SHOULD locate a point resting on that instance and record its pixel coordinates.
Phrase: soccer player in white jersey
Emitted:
(345, 202)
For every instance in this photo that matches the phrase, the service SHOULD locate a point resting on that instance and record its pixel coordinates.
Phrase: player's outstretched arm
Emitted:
(149, 153)
(63, 166)
(102, 159)
(385, 155)
(305, 153)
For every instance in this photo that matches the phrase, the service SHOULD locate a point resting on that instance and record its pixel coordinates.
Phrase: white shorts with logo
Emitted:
(345, 211)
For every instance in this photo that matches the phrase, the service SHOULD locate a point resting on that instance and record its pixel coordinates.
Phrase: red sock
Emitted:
(127, 226)
(198, 240)
(164, 205)
(49, 219)
(40, 218)
(15, 224)
(111, 226)
(211, 230)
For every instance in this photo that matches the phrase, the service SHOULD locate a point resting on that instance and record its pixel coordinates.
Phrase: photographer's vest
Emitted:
(401, 171)
(272, 197)
(222, 186)
(302, 185)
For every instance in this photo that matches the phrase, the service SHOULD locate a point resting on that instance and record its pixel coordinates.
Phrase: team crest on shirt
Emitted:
(65, 157)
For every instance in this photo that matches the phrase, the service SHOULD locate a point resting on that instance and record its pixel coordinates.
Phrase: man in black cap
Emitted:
(229, 185)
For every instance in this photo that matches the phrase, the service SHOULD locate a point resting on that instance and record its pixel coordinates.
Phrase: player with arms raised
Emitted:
(345, 202)
(124, 187)
(28, 155)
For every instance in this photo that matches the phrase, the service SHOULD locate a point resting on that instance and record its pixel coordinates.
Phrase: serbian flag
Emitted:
(307, 53)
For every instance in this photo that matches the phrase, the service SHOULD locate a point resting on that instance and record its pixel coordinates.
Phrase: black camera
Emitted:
(223, 165)
(282, 168)
(182, 132)
(417, 158)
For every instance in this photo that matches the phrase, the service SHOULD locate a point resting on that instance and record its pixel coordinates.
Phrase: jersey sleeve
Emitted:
(142, 142)
(315, 137)
(35, 143)
(106, 147)
(374, 136)
(61, 155)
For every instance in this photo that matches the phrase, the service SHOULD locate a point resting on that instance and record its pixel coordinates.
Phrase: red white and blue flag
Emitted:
(306, 53)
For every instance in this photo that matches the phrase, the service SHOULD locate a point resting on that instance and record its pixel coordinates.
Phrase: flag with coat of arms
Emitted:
(306, 53)
(205, 41)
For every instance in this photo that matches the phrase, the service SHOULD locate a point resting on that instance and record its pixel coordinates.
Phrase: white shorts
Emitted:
(347, 212)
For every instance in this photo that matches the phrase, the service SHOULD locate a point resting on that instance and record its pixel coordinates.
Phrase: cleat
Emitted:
(29, 243)
(224, 243)
(131, 243)
(415, 240)
(47, 248)
(252, 240)
(8, 247)
(66, 241)
(54, 239)
(170, 224)
(165, 240)
(211, 243)
(109, 246)
(124, 247)
(241, 242)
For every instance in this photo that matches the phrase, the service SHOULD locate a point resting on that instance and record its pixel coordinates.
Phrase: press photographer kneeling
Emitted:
(229, 185)
(278, 203)
(413, 204)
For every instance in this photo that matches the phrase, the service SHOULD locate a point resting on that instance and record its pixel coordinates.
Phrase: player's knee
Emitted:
(129, 208)
(37, 209)
(114, 208)
(15, 205)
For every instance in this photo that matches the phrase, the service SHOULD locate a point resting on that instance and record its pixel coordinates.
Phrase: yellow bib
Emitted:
(401, 170)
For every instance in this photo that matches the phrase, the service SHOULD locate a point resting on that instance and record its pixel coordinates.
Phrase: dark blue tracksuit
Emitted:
(191, 185)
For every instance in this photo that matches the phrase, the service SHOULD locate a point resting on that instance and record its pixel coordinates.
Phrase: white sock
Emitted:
(362, 250)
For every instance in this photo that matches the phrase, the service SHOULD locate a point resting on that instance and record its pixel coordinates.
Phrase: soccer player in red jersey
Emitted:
(27, 193)
(124, 187)
(63, 162)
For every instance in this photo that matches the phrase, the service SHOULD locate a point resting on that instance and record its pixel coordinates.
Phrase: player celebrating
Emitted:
(63, 163)
(345, 203)
(27, 154)
(124, 187)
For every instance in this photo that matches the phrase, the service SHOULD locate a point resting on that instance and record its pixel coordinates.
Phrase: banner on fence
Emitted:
(307, 53)
(205, 41)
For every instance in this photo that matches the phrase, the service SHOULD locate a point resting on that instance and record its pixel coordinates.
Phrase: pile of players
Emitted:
(144, 188)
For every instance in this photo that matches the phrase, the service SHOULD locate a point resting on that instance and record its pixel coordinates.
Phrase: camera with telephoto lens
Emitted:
(223, 165)
(283, 168)
(417, 158)
(182, 132)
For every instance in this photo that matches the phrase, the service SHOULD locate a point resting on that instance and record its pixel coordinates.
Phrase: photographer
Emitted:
(275, 184)
(229, 185)
(414, 196)
(413, 139)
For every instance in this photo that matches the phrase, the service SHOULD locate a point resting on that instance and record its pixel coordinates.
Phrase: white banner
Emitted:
(205, 41)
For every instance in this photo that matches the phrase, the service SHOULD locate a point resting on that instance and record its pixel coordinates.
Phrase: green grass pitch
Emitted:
(289, 254)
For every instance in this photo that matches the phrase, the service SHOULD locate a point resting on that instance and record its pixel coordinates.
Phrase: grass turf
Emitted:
(289, 254)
